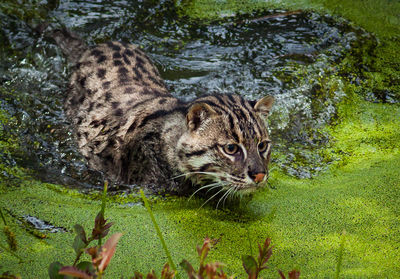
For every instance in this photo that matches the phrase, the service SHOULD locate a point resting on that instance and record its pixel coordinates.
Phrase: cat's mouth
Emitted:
(246, 187)
(252, 187)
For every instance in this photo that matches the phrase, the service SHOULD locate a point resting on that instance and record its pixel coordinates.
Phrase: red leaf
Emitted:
(108, 225)
(294, 274)
(100, 227)
(138, 276)
(108, 250)
(267, 243)
(105, 232)
(92, 251)
(151, 275)
(73, 271)
(267, 256)
(260, 252)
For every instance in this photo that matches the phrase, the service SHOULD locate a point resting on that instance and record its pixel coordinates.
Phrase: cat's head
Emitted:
(226, 144)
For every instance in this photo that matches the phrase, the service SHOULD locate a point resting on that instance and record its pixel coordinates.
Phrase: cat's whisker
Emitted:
(235, 190)
(213, 185)
(231, 193)
(223, 197)
(221, 184)
(212, 197)
(198, 172)
(231, 190)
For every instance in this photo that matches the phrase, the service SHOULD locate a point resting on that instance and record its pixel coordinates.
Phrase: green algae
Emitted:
(304, 218)
(365, 130)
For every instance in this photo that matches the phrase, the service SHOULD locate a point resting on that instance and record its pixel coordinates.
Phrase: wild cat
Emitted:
(130, 127)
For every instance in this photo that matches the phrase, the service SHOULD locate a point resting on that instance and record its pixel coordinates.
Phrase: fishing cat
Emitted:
(130, 127)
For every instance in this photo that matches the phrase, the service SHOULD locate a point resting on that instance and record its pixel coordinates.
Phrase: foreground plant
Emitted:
(214, 270)
(101, 255)
(210, 270)
(294, 274)
(252, 266)
(100, 259)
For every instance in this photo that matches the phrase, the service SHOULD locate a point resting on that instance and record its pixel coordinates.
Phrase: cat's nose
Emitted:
(257, 177)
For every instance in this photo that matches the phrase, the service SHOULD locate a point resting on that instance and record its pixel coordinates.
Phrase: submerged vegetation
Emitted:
(355, 143)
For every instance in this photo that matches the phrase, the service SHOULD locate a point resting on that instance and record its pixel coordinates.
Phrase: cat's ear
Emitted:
(197, 114)
(264, 105)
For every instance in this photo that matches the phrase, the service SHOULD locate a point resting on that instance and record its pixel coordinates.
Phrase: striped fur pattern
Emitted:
(128, 126)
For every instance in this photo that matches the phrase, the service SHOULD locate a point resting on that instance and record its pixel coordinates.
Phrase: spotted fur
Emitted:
(131, 128)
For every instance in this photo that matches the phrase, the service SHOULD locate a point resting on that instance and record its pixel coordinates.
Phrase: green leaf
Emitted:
(78, 245)
(249, 264)
(188, 268)
(87, 267)
(53, 270)
(80, 231)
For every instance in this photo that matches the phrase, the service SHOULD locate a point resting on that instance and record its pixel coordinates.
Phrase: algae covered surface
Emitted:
(356, 197)
(304, 218)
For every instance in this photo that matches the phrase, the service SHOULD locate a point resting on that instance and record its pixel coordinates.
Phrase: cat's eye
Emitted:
(231, 148)
(262, 146)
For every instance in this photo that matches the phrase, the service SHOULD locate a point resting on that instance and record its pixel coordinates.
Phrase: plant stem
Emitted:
(103, 204)
(340, 256)
(146, 204)
(248, 238)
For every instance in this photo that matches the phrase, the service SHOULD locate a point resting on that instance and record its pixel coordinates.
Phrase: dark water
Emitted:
(291, 57)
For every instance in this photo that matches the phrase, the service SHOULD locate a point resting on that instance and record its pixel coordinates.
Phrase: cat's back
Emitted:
(112, 87)
(110, 78)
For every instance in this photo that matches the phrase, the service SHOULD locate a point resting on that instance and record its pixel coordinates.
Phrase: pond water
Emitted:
(292, 56)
